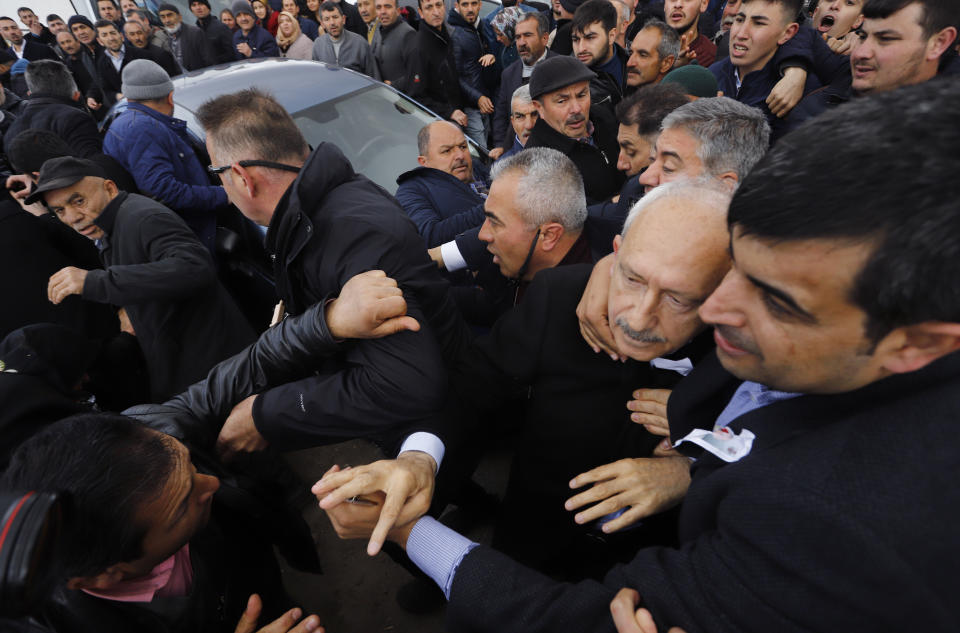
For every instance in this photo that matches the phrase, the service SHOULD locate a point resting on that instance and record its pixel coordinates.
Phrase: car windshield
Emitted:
(375, 127)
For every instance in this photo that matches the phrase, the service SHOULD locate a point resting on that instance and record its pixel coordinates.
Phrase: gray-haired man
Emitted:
(523, 116)
(53, 106)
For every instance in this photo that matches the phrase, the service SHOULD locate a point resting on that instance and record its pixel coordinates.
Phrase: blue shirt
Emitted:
(749, 396)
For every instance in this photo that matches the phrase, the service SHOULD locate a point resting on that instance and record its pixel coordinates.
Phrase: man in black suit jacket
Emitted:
(574, 414)
(823, 494)
(111, 61)
(28, 49)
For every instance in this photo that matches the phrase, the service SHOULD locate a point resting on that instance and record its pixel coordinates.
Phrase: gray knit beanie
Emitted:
(145, 80)
(242, 6)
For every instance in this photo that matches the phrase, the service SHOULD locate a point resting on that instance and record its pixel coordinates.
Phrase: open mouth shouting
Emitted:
(826, 23)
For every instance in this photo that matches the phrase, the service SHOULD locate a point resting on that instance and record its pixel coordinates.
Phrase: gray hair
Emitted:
(550, 188)
(522, 96)
(707, 191)
(669, 38)
(623, 11)
(49, 77)
(732, 136)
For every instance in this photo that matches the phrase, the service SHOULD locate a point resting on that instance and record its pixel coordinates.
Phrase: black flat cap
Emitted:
(61, 172)
(556, 73)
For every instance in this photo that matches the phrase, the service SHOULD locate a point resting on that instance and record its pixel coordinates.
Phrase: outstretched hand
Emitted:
(405, 485)
(646, 486)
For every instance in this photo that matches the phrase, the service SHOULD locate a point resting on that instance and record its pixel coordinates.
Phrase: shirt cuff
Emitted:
(425, 443)
(452, 259)
(437, 551)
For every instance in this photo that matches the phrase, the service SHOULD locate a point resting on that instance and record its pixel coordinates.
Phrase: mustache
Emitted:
(737, 340)
(459, 163)
(575, 118)
(641, 336)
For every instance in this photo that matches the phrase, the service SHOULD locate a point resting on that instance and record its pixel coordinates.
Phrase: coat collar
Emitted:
(108, 217)
(549, 137)
(292, 225)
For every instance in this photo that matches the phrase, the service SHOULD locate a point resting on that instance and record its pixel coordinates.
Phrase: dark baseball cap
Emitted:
(61, 172)
(556, 73)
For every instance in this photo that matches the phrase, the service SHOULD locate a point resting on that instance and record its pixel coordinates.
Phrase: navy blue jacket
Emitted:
(308, 27)
(516, 148)
(261, 42)
(630, 192)
(468, 47)
(153, 147)
(441, 205)
(754, 90)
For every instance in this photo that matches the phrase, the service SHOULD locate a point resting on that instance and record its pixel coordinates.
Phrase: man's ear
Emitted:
(938, 44)
(857, 24)
(550, 235)
(667, 63)
(422, 160)
(915, 346)
(539, 106)
(247, 177)
(729, 179)
(788, 33)
(617, 241)
(76, 95)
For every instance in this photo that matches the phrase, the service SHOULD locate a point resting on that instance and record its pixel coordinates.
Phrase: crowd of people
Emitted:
(699, 278)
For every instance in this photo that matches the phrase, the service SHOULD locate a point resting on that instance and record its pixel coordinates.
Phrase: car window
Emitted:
(375, 127)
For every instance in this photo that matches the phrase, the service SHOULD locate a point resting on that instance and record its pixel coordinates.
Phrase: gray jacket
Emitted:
(355, 53)
(300, 49)
(395, 50)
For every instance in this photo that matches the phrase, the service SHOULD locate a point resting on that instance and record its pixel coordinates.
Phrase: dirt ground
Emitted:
(357, 593)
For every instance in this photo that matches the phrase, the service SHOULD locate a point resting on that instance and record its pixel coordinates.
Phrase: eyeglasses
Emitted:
(253, 163)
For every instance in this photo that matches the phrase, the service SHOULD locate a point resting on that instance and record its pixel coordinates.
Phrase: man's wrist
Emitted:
(330, 325)
(401, 534)
(420, 458)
